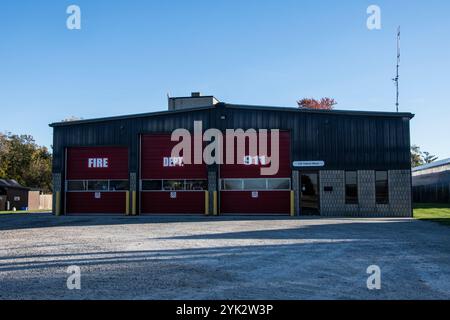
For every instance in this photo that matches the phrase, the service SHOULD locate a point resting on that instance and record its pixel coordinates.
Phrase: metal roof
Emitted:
(432, 165)
(240, 106)
(9, 183)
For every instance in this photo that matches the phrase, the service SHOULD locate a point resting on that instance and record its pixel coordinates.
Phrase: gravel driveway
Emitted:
(222, 258)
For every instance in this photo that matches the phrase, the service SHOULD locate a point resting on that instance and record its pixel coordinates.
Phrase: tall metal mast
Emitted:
(397, 77)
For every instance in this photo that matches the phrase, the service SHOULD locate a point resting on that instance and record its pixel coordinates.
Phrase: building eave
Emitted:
(237, 106)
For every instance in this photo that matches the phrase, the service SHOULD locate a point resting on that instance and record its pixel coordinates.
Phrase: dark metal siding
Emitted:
(343, 141)
(432, 188)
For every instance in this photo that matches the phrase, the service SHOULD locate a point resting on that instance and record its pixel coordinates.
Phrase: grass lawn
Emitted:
(23, 212)
(433, 212)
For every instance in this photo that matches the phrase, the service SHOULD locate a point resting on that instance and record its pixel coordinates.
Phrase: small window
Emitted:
(255, 184)
(76, 186)
(99, 185)
(173, 185)
(152, 185)
(351, 187)
(196, 185)
(232, 184)
(382, 187)
(119, 185)
(279, 184)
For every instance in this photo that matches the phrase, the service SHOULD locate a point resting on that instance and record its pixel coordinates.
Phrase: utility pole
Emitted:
(397, 77)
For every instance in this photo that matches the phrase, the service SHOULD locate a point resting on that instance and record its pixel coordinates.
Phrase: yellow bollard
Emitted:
(207, 203)
(58, 204)
(215, 209)
(133, 207)
(127, 203)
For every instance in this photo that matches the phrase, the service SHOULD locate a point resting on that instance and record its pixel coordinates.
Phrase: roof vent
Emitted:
(195, 94)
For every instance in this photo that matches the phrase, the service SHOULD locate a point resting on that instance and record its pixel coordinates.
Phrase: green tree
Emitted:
(419, 157)
(3, 152)
(416, 156)
(428, 157)
(23, 160)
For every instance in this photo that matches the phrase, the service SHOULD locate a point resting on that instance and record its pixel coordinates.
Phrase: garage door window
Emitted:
(279, 184)
(119, 185)
(97, 185)
(256, 184)
(76, 185)
(232, 184)
(152, 185)
(174, 185)
(196, 185)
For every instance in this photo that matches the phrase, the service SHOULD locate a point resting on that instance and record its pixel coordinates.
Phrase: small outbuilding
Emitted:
(13, 195)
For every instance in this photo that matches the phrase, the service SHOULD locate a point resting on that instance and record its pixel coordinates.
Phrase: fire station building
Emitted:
(331, 163)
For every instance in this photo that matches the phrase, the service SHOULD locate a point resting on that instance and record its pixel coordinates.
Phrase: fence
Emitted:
(37, 201)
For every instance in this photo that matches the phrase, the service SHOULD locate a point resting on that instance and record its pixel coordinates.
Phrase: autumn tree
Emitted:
(322, 104)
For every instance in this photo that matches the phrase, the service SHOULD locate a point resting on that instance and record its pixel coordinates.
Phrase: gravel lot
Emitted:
(221, 258)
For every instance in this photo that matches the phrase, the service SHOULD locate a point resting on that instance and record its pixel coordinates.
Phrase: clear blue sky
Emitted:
(130, 54)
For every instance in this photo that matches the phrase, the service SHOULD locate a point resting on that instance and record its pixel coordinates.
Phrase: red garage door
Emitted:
(168, 184)
(96, 180)
(245, 190)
